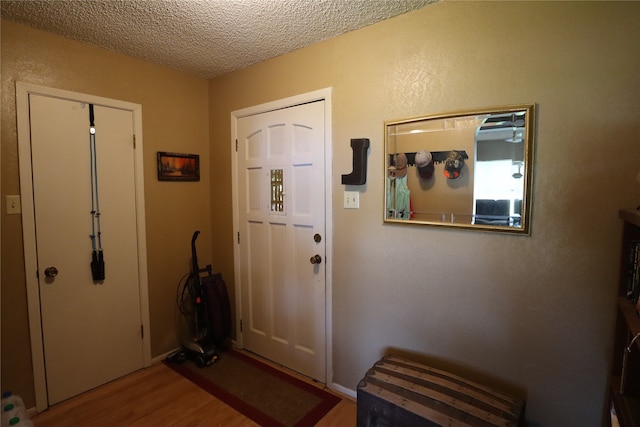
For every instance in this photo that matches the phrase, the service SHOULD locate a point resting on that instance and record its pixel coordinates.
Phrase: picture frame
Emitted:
(178, 166)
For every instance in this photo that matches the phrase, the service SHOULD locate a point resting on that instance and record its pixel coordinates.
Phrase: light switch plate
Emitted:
(13, 205)
(351, 200)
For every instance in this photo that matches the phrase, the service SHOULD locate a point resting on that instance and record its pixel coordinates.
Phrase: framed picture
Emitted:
(178, 167)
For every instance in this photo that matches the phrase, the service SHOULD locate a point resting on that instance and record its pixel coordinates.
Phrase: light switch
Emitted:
(13, 205)
(351, 200)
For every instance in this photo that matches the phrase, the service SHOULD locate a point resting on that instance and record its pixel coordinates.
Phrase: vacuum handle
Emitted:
(194, 254)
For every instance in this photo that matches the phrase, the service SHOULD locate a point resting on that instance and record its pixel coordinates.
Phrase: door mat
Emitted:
(262, 393)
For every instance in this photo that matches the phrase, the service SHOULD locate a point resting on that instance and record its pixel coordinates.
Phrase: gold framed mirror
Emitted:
(471, 169)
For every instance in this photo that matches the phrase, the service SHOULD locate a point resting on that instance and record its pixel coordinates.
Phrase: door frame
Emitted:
(23, 90)
(318, 95)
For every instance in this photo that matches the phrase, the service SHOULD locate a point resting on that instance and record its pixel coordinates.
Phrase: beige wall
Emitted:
(175, 118)
(532, 314)
(538, 323)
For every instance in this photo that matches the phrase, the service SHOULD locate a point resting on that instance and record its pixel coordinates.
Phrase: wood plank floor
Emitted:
(158, 396)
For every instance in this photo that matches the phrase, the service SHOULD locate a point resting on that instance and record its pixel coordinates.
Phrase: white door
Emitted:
(91, 331)
(281, 219)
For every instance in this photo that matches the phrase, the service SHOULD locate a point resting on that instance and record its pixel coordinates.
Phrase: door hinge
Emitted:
(241, 326)
(142, 331)
(236, 145)
(238, 237)
(134, 142)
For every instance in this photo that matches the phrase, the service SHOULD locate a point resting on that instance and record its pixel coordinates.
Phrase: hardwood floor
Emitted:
(158, 396)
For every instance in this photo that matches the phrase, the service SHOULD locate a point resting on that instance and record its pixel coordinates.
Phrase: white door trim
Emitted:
(322, 94)
(23, 90)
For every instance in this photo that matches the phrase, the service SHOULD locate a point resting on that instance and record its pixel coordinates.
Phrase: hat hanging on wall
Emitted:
(400, 162)
(453, 165)
(424, 163)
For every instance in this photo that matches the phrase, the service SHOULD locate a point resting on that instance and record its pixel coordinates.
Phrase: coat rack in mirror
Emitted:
(470, 169)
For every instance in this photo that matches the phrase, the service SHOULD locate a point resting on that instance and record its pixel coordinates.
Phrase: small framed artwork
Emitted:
(178, 167)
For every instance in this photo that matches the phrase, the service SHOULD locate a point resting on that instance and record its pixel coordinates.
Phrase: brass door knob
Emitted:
(316, 259)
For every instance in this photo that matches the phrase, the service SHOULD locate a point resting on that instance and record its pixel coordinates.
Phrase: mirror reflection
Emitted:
(465, 169)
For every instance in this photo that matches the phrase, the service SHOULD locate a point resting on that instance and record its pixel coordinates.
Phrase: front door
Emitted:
(91, 330)
(281, 235)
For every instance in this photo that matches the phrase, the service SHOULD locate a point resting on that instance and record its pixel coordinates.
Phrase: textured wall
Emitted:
(532, 314)
(175, 117)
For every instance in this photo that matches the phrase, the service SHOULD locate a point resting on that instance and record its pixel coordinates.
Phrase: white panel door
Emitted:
(91, 330)
(280, 167)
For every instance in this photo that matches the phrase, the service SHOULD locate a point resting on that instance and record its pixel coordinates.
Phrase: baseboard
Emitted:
(162, 357)
(344, 390)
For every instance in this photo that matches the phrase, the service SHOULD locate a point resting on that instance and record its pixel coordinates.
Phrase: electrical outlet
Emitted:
(351, 200)
(13, 205)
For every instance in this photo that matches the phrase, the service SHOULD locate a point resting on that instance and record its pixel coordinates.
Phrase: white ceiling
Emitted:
(206, 38)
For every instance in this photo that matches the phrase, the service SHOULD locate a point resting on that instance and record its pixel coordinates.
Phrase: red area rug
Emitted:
(262, 393)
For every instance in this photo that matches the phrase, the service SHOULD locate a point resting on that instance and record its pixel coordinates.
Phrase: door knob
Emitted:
(316, 259)
(51, 272)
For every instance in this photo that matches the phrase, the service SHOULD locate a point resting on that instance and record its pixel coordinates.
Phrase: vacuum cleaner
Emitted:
(196, 337)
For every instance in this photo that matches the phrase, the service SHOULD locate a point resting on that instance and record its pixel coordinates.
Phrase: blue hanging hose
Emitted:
(97, 257)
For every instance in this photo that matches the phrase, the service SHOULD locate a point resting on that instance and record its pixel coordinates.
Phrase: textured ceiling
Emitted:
(205, 38)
